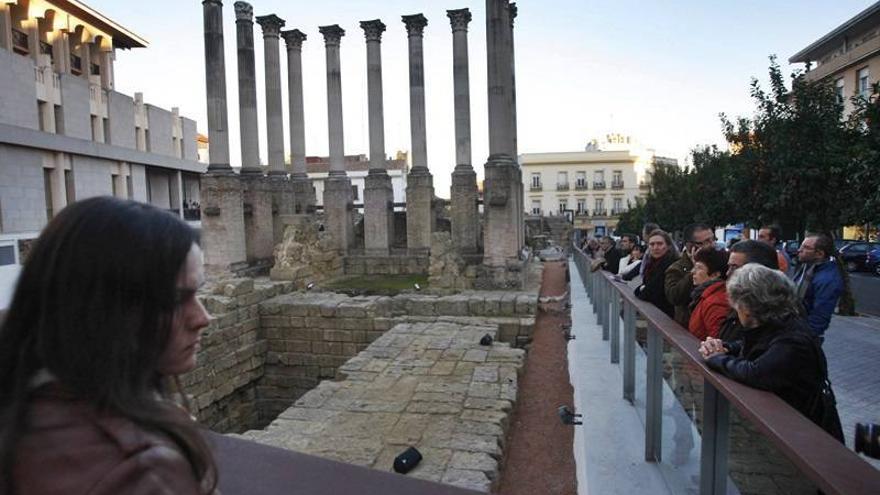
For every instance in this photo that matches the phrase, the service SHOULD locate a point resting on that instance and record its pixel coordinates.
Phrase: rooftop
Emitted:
(839, 35)
(122, 37)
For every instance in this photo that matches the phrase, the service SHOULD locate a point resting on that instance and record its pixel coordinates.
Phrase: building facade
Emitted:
(66, 134)
(357, 167)
(849, 56)
(592, 187)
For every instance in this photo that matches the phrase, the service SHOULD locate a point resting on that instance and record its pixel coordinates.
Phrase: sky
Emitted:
(661, 72)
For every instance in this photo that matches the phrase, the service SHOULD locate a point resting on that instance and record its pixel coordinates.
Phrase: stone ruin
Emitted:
(359, 378)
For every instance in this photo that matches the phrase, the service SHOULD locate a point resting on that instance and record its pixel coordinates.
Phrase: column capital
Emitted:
(243, 12)
(415, 24)
(459, 19)
(373, 29)
(332, 34)
(513, 10)
(271, 24)
(294, 38)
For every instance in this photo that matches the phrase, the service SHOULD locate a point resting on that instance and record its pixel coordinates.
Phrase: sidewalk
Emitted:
(852, 346)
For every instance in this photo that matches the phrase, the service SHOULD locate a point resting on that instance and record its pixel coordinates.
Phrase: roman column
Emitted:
(502, 207)
(222, 213)
(378, 193)
(256, 190)
(338, 203)
(303, 192)
(465, 216)
(512, 12)
(420, 184)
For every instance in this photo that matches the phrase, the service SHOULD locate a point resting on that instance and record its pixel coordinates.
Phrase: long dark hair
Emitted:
(93, 306)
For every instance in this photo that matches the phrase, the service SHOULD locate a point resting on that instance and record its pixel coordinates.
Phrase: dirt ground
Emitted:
(539, 459)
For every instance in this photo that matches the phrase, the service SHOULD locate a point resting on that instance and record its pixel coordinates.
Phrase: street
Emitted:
(866, 289)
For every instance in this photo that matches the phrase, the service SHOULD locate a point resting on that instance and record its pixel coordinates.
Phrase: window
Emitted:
(600, 205)
(106, 130)
(562, 178)
(43, 114)
(129, 187)
(617, 179)
(618, 206)
(354, 192)
(863, 86)
(7, 254)
(147, 146)
(581, 206)
(113, 179)
(59, 120)
(97, 130)
(69, 187)
(536, 207)
(839, 89)
(580, 180)
(599, 176)
(563, 205)
(47, 189)
(536, 180)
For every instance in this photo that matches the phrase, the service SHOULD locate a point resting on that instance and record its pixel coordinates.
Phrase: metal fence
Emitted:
(832, 467)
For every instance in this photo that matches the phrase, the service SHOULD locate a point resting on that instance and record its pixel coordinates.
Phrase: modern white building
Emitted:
(357, 167)
(591, 187)
(66, 134)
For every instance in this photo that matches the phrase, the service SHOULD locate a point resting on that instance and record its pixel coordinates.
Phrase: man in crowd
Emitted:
(819, 281)
(613, 254)
(770, 235)
(741, 254)
(679, 282)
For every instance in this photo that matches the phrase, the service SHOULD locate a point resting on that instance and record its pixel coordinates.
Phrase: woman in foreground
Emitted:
(104, 318)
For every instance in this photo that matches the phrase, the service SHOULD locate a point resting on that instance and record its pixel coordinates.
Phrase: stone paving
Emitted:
(425, 384)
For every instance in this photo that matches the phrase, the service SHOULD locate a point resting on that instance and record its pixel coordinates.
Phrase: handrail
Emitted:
(830, 465)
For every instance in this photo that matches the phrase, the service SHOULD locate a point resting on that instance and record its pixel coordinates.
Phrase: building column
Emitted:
(503, 178)
(108, 79)
(520, 195)
(222, 213)
(420, 184)
(303, 191)
(282, 189)
(338, 203)
(465, 215)
(378, 193)
(256, 189)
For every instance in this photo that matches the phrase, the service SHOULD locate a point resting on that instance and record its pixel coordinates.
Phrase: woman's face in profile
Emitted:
(189, 318)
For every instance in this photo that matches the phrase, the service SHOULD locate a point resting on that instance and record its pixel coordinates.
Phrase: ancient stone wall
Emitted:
(305, 255)
(385, 265)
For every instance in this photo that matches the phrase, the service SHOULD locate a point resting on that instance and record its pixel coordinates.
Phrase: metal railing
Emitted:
(562, 187)
(536, 187)
(617, 184)
(818, 456)
(599, 185)
(580, 185)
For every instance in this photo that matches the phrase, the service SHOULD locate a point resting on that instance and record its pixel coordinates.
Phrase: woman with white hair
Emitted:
(777, 352)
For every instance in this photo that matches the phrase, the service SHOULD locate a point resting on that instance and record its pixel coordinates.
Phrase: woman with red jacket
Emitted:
(709, 305)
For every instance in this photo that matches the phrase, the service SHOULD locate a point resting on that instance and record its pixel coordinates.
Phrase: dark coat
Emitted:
(612, 260)
(652, 289)
(678, 284)
(70, 447)
(782, 358)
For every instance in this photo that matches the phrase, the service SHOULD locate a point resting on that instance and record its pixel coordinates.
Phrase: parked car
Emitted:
(842, 243)
(791, 248)
(872, 261)
(855, 255)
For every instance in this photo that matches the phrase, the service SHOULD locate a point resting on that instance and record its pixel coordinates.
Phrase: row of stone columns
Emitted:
(502, 172)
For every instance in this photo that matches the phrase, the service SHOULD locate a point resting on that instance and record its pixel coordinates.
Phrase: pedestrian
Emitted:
(770, 235)
(661, 253)
(629, 264)
(741, 254)
(104, 318)
(819, 281)
(679, 282)
(778, 351)
(709, 306)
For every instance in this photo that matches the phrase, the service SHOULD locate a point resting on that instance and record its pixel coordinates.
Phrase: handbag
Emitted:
(823, 407)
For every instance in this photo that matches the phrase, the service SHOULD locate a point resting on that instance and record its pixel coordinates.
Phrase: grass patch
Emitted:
(378, 284)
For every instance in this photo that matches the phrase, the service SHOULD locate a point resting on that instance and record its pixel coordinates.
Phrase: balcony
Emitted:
(20, 42)
(599, 185)
(600, 213)
(75, 64)
(580, 185)
(562, 187)
(618, 184)
(645, 185)
(616, 212)
(536, 187)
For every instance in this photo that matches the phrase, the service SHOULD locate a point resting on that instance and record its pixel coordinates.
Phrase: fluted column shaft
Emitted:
(499, 78)
(461, 86)
(215, 86)
(294, 39)
(512, 11)
(332, 37)
(272, 25)
(373, 32)
(415, 25)
(247, 89)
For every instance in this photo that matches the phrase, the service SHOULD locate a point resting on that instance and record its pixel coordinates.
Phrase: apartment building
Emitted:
(591, 187)
(357, 167)
(66, 134)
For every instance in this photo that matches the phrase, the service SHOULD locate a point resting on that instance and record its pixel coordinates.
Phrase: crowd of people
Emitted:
(760, 320)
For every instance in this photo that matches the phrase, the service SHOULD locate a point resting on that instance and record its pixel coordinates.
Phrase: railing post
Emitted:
(629, 352)
(715, 441)
(606, 317)
(654, 396)
(615, 325)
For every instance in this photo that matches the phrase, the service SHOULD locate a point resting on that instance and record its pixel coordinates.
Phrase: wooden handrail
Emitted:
(833, 467)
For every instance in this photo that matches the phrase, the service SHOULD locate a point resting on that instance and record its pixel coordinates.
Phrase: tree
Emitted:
(863, 177)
